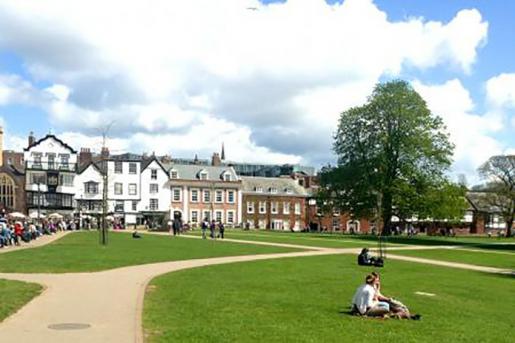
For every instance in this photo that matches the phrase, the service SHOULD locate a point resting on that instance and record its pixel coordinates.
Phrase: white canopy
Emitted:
(16, 215)
(55, 216)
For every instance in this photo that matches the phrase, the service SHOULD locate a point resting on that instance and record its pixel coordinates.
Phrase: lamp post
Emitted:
(39, 202)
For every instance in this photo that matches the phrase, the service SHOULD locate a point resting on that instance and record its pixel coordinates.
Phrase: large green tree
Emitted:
(393, 154)
(499, 171)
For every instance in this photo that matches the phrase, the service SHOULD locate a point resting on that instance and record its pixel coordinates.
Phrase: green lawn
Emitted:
(301, 300)
(325, 241)
(15, 294)
(81, 252)
(480, 258)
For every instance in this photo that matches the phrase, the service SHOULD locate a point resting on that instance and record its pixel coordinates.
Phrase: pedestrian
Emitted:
(221, 230)
(176, 226)
(204, 226)
(212, 228)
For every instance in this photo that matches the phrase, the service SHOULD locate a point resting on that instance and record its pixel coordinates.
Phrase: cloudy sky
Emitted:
(268, 78)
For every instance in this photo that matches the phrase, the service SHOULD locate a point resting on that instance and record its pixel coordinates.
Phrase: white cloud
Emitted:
(277, 77)
(501, 90)
(472, 133)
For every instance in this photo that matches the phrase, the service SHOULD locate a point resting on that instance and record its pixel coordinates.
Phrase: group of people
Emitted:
(369, 301)
(12, 233)
(213, 227)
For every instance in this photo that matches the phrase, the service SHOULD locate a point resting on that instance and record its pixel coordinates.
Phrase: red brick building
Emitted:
(274, 203)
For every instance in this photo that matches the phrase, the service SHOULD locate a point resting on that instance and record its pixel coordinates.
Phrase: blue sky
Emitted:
(267, 82)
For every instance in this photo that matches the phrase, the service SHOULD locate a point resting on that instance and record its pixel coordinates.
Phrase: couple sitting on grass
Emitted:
(368, 301)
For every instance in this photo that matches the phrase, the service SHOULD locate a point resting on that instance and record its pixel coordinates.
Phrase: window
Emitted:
(154, 205)
(230, 217)
(118, 188)
(65, 159)
(38, 178)
(153, 174)
(66, 180)
(262, 224)
(230, 197)
(7, 191)
(194, 195)
(288, 191)
(273, 190)
(134, 205)
(277, 224)
(227, 177)
(118, 167)
(174, 174)
(219, 216)
(154, 188)
(207, 215)
(286, 225)
(194, 216)
(219, 196)
(286, 208)
(133, 168)
(9, 161)
(133, 189)
(258, 189)
(207, 195)
(51, 160)
(274, 207)
(91, 188)
(118, 206)
(297, 208)
(336, 223)
(203, 175)
(250, 207)
(262, 207)
(37, 160)
(176, 194)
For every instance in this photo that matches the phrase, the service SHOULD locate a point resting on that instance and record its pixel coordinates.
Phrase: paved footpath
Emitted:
(43, 240)
(107, 306)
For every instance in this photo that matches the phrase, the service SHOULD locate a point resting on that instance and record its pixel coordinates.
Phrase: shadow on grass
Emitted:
(437, 241)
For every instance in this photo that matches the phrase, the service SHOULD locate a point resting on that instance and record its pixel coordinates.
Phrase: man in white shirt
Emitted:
(365, 300)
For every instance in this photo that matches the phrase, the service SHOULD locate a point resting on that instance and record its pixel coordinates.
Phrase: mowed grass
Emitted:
(81, 252)
(305, 239)
(487, 258)
(303, 300)
(15, 294)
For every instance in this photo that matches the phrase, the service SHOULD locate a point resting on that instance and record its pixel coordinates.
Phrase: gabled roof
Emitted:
(48, 137)
(84, 167)
(149, 161)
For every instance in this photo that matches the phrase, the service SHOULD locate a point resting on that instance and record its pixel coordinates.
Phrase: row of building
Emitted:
(50, 176)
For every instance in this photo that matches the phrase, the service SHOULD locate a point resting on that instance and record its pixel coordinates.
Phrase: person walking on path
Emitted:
(221, 230)
(212, 228)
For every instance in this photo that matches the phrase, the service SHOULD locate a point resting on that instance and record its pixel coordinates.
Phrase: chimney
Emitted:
(105, 152)
(32, 138)
(85, 156)
(215, 160)
(1, 146)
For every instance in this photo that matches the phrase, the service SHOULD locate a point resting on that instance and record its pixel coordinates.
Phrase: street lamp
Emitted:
(39, 202)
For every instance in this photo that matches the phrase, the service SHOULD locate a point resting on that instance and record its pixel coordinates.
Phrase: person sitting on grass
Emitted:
(365, 302)
(135, 234)
(397, 309)
(364, 259)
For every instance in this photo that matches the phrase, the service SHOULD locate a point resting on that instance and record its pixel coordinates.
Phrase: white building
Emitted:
(155, 192)
(51, 167)
(89, 187)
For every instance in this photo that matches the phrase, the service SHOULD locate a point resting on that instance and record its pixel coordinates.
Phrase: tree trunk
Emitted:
(386, 213)
(509, 225)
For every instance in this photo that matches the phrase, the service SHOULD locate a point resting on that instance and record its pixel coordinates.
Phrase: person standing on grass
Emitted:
(212, 229)
(176, 227)
(221, 230)
(204, 226)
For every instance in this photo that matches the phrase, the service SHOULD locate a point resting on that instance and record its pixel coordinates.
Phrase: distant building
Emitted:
(89, 186)
(274, 203)
(12, 180)
(51, 168)
(154, 206)
(205, 192)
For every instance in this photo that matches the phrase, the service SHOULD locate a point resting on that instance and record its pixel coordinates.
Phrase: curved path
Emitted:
(43, 240)
(107, 305)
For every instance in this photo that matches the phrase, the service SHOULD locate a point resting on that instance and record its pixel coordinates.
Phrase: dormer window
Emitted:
(258, 189)
(288, 191)
(227, 176)
(272, 190)
(203, 175)
(174, 174)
